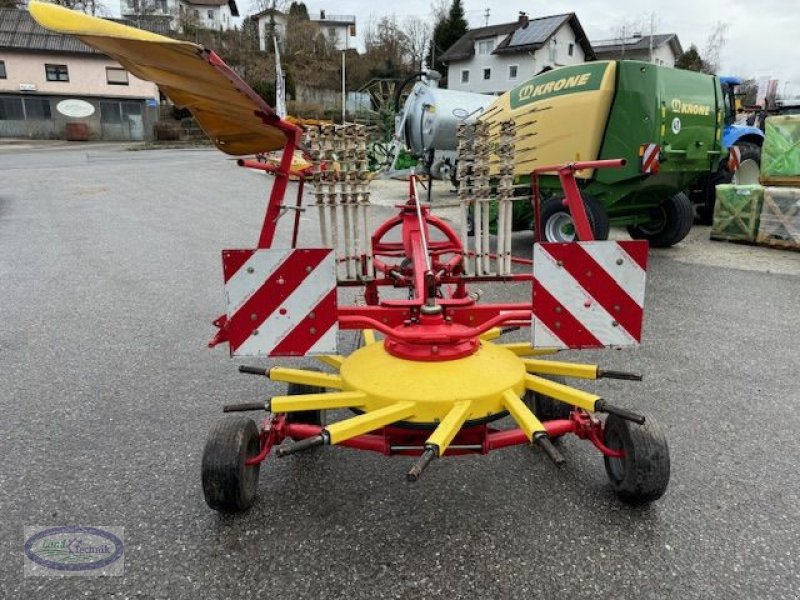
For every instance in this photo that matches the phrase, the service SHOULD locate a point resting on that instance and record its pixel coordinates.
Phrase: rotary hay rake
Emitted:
(436, 382)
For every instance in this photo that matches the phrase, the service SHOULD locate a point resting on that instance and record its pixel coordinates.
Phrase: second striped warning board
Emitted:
(588, 294)
(281, 302)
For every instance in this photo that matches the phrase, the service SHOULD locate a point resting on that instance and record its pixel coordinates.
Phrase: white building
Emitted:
(338, 29)
(663, 50)
(494, 59)
(210, 14)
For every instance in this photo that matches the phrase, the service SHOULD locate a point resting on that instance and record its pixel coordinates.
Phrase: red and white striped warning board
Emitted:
(650, 158)
(588, 294)
(734, 158)
(280, 302)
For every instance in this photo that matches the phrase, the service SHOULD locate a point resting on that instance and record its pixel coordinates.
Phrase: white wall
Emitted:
(263, 30)
(528, 64)
(338, 34)
(212, 17)
(341, 32)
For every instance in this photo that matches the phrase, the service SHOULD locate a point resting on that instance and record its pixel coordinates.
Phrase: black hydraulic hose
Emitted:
(399, 90)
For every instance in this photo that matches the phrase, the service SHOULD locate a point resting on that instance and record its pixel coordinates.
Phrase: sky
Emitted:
(760, 34)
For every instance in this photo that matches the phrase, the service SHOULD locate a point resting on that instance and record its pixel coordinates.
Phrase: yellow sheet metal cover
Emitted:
(230, 113)
(560, 115)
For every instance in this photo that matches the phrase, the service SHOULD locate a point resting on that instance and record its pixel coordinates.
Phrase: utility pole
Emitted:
(486, 15)
(344, 91)
(652, 27)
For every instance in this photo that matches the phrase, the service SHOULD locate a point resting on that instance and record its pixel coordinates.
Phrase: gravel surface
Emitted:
(111, 275)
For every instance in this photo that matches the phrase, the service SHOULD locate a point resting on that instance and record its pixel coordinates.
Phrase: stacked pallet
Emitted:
(736, 213)
(767, 214)
(779, 223)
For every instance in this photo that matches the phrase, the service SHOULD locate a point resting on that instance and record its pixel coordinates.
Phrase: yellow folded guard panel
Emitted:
(573, 132)
(236, 119)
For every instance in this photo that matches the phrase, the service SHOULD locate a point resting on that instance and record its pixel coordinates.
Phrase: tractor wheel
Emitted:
(228, 484)
(642, 475)
(705, 210)
(557, 224)
(671, 222)
(749, 165)
(309, 417)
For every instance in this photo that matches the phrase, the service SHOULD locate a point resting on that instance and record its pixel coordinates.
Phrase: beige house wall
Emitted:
(87, 76)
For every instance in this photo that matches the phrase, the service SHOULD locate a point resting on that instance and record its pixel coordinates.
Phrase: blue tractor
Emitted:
(748, 139)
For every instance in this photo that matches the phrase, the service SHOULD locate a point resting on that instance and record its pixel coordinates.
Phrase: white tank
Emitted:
(433, 114)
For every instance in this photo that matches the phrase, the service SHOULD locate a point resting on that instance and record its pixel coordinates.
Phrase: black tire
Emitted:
(749, 152)
(310, 417)
(228, 484)
(556, 219)
(671, 222)
(546, 408)
(642, 475)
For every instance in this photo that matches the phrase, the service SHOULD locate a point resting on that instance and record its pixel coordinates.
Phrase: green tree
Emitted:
(299, 10)
(690, 60)
(446, 32)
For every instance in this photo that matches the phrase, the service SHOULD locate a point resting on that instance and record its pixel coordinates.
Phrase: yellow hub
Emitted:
(434, 387)
(386, 389)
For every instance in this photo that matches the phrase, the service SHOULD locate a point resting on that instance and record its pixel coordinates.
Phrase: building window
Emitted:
(571, 49)
(2, 69)
(485, 46)
(512, 71)
(115, 76)
(11, 109)
(552, 50)
(332, 33)
(56, 72)
(465, 76)
(37, 109)
(487, 74)
(211, 15)
(196, 13)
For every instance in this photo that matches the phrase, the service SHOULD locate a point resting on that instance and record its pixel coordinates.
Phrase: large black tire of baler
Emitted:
(672, 220)
(596, 212)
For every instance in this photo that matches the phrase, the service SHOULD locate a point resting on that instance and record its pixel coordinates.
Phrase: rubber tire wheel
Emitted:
(677, 215)
(705, 210)
(642, 475)
(598, 217)
(309, 417)
(749, 151)
(228, 484)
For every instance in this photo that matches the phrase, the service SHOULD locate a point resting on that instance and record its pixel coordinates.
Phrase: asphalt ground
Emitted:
(110, 271)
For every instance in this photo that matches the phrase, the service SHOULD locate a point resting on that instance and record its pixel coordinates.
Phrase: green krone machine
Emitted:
(666, 123)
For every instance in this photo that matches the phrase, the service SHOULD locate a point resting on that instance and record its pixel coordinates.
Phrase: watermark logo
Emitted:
(74, 550)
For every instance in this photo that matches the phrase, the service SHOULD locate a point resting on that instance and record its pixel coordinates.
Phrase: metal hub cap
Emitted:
(559, 228)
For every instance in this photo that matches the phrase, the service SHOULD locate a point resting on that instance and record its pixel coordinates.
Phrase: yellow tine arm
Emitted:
(369, 336)
(332, 360)
(522, 414)
(492, 334)
(350, 428)
(525, 349)
(562, 393)
(552, 367)
(450, 426)
(332, 400)
(303, 377)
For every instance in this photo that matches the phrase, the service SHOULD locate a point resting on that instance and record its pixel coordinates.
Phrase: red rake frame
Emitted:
(452, 333)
